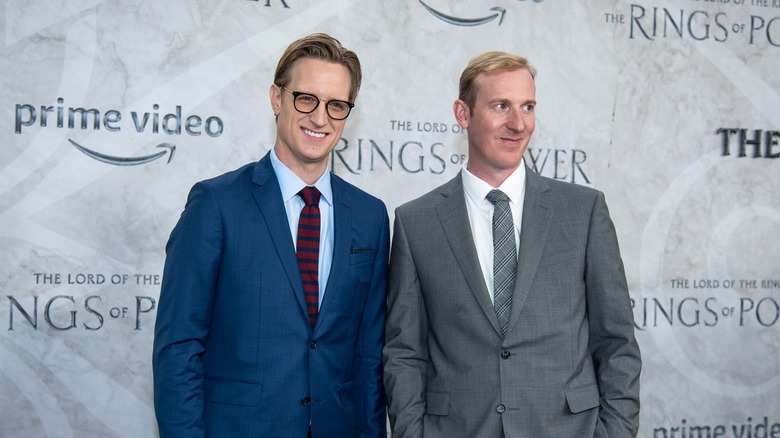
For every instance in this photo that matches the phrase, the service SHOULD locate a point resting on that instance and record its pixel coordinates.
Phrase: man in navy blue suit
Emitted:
(272, 309)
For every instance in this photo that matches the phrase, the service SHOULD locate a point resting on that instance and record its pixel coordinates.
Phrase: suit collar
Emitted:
(454, 220)
(342, 224)
(268, 197)
(537, 217)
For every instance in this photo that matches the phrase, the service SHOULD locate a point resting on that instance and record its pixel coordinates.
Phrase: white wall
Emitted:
(626, 104)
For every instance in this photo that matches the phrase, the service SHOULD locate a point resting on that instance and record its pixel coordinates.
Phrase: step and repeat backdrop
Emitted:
(110, 110)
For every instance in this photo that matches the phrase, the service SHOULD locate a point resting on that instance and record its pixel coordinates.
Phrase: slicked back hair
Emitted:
(324, 47)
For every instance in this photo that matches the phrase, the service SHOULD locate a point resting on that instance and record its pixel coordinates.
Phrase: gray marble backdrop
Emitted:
(672, 108)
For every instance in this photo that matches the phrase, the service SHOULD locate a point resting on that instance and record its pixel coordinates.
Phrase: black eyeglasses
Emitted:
(306, 103)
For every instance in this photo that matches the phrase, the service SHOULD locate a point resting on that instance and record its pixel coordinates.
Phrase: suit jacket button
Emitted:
(505, 354)
(500, 409)
(313, 344)
(306, 401)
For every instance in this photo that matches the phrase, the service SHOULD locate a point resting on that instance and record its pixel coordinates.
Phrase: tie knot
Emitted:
(310, 195)
(497, 196)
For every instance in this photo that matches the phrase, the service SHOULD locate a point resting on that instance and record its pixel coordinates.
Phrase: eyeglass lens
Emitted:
(307, 103)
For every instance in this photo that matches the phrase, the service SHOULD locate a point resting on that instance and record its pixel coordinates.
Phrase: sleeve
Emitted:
(612, 343)
(370, 412)
(406, 345)
(184, 315)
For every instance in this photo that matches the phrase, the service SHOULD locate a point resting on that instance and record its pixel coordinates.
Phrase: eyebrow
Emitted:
(318, 96)
(505, 100)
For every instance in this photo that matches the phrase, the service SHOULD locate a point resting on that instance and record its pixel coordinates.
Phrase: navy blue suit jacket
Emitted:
(234, 352)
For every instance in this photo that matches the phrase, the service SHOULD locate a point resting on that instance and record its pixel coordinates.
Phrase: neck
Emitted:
(309, 172)
(493, 177)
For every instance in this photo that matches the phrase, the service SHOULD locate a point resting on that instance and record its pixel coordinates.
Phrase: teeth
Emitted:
(314, 134)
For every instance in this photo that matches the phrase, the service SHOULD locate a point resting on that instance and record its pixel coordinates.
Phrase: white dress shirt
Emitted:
(480, 212)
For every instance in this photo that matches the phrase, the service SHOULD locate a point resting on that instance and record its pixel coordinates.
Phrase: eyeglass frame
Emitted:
(295, 94)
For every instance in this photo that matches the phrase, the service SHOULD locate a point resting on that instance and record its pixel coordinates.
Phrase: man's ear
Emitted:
(462, 113)
(275, 94)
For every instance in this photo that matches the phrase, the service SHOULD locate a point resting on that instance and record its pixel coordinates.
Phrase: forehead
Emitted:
(318, 76)
(516, 84)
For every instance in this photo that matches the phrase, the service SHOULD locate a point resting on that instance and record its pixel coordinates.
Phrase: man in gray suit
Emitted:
(509, 312)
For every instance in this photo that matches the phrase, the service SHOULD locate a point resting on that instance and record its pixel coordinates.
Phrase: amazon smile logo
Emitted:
(477, 21)
(127, 161)
(92, 119)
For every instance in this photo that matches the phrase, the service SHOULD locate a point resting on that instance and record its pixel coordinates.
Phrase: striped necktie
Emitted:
(308, 249)
(504, 256)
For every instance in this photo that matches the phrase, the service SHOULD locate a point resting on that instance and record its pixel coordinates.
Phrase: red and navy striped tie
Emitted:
(308, 249)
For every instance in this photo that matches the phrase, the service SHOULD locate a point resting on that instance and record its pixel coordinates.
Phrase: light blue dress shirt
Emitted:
(291, 184)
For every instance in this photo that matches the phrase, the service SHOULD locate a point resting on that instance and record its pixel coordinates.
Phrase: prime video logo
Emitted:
(76, 118)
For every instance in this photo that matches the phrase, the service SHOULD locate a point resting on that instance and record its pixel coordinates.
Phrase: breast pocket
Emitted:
(361, 255)
(557, 255)
(361, 264)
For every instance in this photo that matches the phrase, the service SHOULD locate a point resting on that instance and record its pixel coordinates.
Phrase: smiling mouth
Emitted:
(314, 134)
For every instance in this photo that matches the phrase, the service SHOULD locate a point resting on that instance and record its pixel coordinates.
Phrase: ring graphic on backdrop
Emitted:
(126, 161)
(467, 21)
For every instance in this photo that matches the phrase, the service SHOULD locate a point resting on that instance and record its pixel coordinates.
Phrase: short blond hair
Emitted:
(489, 63)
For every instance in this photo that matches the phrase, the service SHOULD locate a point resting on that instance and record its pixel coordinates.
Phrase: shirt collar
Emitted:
(291, 184)
(477, 189)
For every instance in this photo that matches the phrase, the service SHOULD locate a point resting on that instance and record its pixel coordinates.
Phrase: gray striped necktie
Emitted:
(504, 256)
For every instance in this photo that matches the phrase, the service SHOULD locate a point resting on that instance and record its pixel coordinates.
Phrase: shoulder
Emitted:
(356, 196)
(225, 189)
(242, 175)
(230, 177)
(562, 191)
(429, 201)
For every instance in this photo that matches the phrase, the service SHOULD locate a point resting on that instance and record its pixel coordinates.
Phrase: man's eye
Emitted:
(501, 107)
(337, 105)
(305, 98)
(527, 108)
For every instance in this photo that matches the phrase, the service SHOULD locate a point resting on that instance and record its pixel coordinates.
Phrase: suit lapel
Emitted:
(268, 196)
(453, 216)
(342, 223)
(537, 216)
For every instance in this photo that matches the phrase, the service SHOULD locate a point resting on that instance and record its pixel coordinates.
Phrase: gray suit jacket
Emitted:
(569, 364)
